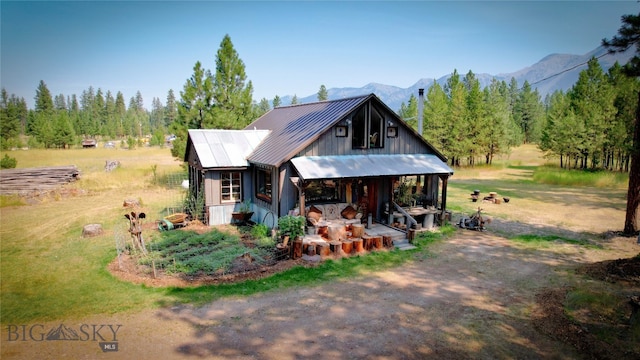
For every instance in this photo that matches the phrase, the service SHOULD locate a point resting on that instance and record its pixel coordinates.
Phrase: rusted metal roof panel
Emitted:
(354, 166)
(294, 127)
(225, 148)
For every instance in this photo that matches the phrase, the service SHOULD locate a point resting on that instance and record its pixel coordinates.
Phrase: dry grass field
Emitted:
(470, 295)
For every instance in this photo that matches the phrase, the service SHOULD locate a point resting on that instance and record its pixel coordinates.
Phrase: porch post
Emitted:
(302, 200)
(301, 186)
(445, 180)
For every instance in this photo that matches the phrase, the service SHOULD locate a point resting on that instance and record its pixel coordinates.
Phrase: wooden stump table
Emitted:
(337, 232)
(357, 230)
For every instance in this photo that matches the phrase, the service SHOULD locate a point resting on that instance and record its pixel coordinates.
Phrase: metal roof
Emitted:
(354, 166)
(225, 148)
(294, 127)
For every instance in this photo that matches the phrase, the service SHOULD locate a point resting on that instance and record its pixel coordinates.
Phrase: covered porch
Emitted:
(377, 184)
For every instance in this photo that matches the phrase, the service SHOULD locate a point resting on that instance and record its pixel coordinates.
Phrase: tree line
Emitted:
(588, 127)
(60, 122)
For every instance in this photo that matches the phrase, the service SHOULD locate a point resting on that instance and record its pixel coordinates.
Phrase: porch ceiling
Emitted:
(354, 166)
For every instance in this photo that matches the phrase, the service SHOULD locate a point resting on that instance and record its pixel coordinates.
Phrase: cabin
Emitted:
(353, 153)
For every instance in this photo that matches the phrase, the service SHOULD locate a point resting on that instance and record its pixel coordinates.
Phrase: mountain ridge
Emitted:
(553, 72)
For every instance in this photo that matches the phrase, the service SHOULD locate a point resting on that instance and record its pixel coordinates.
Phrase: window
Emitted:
(376, 126)
(368, 127)
(322, 191)
(231, 187)
(263, 186)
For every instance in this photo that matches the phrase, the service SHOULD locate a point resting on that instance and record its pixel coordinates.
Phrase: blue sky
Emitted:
(289, 47)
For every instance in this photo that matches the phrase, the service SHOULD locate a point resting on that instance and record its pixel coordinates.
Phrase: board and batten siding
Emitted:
(329, 144)
(220, 212)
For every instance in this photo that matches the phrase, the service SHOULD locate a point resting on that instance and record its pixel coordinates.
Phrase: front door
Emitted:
(372, 197)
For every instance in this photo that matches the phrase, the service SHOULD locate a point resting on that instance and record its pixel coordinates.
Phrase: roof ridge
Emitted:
(325, 101)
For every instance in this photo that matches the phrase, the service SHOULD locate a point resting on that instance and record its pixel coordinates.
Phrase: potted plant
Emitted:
(244, 213)
(290, 227)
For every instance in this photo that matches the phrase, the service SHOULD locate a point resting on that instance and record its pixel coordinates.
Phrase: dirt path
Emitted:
(470, 297)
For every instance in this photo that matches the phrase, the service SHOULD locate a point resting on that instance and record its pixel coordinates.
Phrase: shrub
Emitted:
(8, 162)
(260, 231)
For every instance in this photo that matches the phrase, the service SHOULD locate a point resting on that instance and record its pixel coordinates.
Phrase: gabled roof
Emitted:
(224, 148)
(296, 126)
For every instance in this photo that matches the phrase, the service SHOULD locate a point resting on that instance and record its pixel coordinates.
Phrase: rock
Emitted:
(111, 165)
(92, 230)
(131, 203)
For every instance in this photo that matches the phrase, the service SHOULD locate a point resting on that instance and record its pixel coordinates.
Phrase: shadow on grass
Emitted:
(462, 308)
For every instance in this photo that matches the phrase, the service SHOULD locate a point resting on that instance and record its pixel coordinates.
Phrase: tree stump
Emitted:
(357, 245)
(131, 203)
(357, 230)
(377, 242)
(347, 246)
(367, 241)
(91, 230)
(297, 249)
(311, 249)
(323, 249)
(336, 247)
(387, 241)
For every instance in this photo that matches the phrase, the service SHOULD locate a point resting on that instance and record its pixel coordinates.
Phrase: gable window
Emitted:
(231, 187)
(263, 185)
(368, 127)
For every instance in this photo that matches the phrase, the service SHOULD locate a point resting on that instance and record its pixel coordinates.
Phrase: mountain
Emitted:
(553, 72)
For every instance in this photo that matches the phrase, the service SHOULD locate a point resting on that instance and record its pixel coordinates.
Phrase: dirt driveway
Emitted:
(471, 296)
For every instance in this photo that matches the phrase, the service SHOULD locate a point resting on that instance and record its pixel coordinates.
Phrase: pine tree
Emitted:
(231, 91)
(120, 115)
(111, 121)
(436, 128)
(276, 101)
(409, 112)
(59, 103)
(500, 127)
(620, 136)
(156, 118)
(628, 36)
(63, 134)
(476, 123)
(323, 94)
(294, 99)
(592, 101)
(457, 98)
(263, 107)
(170, 110)
(528, 113)
(44, 101)
(9, 117)
(195, 108)
(42, 122)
